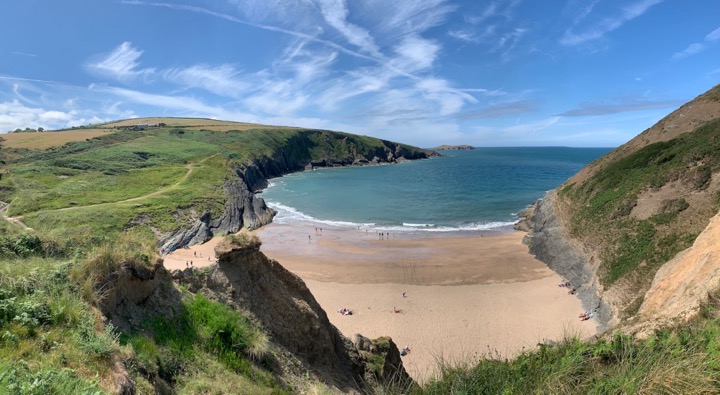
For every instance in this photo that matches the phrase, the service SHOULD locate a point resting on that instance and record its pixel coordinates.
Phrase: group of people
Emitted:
(586, 315)
(345, 311)
(566, 284)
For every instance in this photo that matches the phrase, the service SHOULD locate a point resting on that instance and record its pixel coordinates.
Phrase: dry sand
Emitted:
(466, 296)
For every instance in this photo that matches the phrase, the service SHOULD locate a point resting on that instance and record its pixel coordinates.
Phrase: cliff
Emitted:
(303, 339)
(550, 242)
(614, 228)
(304, 150)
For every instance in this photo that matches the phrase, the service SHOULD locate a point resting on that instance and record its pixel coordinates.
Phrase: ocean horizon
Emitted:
(480, 190)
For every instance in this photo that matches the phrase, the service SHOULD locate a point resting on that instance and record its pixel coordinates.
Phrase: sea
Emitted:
(469, 191)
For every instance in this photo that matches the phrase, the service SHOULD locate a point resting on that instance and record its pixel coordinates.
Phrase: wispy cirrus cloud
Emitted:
(120, 64)
(224, 80)
(595, 109)
(335, 13)
(322, 32)
(501, 110)
(494, 26)
(696, 48)
(576, 35)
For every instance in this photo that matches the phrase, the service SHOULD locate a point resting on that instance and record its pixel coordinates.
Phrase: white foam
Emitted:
(290, 215)
(287, 214)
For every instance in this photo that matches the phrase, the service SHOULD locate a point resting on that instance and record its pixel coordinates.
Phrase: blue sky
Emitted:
(425, 72)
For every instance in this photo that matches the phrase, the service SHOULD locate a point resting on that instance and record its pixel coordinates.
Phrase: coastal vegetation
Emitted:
(642, 204)
(84, 216)
(85, 209)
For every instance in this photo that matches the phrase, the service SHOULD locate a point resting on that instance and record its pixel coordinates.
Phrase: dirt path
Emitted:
(3, 212)
(190, 166)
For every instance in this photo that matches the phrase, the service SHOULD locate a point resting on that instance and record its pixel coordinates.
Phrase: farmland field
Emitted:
(44, 140)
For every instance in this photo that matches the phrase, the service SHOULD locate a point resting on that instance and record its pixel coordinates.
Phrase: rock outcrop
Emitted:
(283, 305)
(683, 283)
(278, 300)
(548, 241)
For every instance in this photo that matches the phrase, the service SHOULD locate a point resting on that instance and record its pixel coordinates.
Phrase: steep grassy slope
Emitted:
(641, 204)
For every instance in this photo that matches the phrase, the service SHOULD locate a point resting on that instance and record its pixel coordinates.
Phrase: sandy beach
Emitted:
(466, 297)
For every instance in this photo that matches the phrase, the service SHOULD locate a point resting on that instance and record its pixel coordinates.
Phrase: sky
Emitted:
(581, 73)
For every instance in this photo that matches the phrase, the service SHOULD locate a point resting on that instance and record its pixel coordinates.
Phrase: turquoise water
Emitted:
(474, 190)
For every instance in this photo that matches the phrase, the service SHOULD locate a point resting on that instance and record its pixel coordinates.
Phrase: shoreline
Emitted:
(467, 296)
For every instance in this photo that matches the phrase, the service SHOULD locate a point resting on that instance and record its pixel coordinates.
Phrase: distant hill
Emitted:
(453, 147)
(614, 224)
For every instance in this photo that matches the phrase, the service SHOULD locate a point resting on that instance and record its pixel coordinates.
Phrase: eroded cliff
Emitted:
(304, 342)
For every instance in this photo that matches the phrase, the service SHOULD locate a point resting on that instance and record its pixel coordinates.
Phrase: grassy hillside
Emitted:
(97, 199)
(160, 176)
(643, 203)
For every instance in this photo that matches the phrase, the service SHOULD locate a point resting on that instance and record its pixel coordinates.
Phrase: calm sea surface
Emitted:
(476, 190)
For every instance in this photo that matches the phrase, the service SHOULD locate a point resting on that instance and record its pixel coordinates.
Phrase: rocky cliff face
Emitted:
(281, 302)
(243, 209)
(549, 242)
(614, 227)
(682, 284)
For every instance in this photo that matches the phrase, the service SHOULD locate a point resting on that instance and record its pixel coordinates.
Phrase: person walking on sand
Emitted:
(308, 239)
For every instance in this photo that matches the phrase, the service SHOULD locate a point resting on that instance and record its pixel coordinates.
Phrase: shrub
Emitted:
(93, 273)
(243, 240)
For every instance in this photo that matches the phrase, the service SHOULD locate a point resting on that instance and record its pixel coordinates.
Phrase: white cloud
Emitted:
(15, 115)
(221, 80)
(606, 25)
(449, 101)
(416, 54)
(463, 35)
(713, 35)
(408, 17)
(335, 13)
(188, 105)
(696, 48)
(692, 49)
(121, 64)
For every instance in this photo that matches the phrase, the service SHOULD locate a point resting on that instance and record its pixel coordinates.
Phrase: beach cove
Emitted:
(466, 296)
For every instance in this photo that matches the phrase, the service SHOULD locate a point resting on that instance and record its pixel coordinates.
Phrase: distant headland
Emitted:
(453, 147)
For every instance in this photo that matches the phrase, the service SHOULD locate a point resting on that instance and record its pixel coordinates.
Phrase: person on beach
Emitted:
(308, 239)
(404, 295)
(405, 351)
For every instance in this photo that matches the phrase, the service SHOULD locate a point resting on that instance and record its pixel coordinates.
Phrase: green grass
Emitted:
(48, 340)
(203, 332)
(681, 361)
(52, 341)
(86, 191)
(608, 197)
